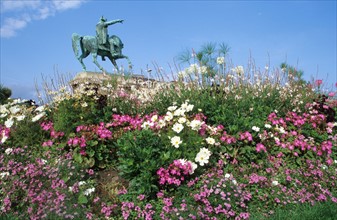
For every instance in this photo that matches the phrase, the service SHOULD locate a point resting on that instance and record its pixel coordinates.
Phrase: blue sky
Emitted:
(36, 35)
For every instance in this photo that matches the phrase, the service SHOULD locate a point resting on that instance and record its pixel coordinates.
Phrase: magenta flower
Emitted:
(260, 147)
(318, 82)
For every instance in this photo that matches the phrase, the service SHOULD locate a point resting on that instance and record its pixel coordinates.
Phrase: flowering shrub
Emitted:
(220, 143)
(92, 145)
(176, 173)
(38, 187)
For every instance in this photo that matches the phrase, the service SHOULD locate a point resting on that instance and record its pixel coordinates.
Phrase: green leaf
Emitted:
(82, 199)
(90, 152)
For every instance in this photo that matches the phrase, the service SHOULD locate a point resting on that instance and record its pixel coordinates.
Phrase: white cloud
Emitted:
(62, 5)
(18, 13)
(11, 25)
(14, 5)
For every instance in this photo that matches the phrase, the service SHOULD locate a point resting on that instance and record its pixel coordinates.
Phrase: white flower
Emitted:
(14, 109)
(194, 166)
(20, 117)
(335, 161)
(189, 108)
(89, 191)
(203, 69)
(182, 120)
(40, 108)
(203, 156)
(282, 131)
(177, 127)
(3, 109)
(239, 70)
(4, 137)
(194, 68)
(254, 128)
(154, 118)
(84, 104)
(220, 60)
(161, 123)
(210, 141)
(175, 141)
(8, 151)
(172, 108)
(205, 151)
(275, 183)
(2, 175)
(202, 159)
(182, 74)
(81, 183)
(234, 182)
(195, 125)
(324, 167)
(182, 161)
(168, 116)
(227, 175)
(179, 112)
(267, 126)
(147, 125)
(9, 122)
(70, 189)
(38, 117)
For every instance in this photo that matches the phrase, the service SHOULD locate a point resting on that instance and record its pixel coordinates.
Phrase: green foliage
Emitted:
(140, 154)
(28, 133)
(319, 211)
(5, 93)
(73, 112)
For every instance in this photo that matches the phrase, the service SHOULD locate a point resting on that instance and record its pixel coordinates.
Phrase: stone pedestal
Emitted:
(103, 85)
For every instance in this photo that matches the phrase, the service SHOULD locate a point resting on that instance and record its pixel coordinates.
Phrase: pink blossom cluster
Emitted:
(291, 139)
(78, 141)
(275, 120)
(127, 122)
(49, 126)
(146, 213)
(255, 178)
(226, 138)
(107, 210)
(35, 185)
(103, 132)
(175, 173)
(100, 130)
(245, 136)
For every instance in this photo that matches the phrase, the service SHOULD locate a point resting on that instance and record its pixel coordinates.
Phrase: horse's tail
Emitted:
(75, 39)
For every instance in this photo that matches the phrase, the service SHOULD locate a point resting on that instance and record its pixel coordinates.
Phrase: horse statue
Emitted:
(89, 45)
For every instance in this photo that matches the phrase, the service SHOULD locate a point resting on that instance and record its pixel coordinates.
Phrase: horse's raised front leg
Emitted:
(94, 56)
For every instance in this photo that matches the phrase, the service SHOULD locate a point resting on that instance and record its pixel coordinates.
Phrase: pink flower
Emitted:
(90, 172)
(318, 82)
(141, 197)
(331, 94)
(89, 215)
(260, 147)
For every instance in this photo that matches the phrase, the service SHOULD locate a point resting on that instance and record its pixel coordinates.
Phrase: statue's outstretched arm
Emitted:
(107, 23)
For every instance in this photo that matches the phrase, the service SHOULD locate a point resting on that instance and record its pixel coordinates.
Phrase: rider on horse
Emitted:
(102, 35)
